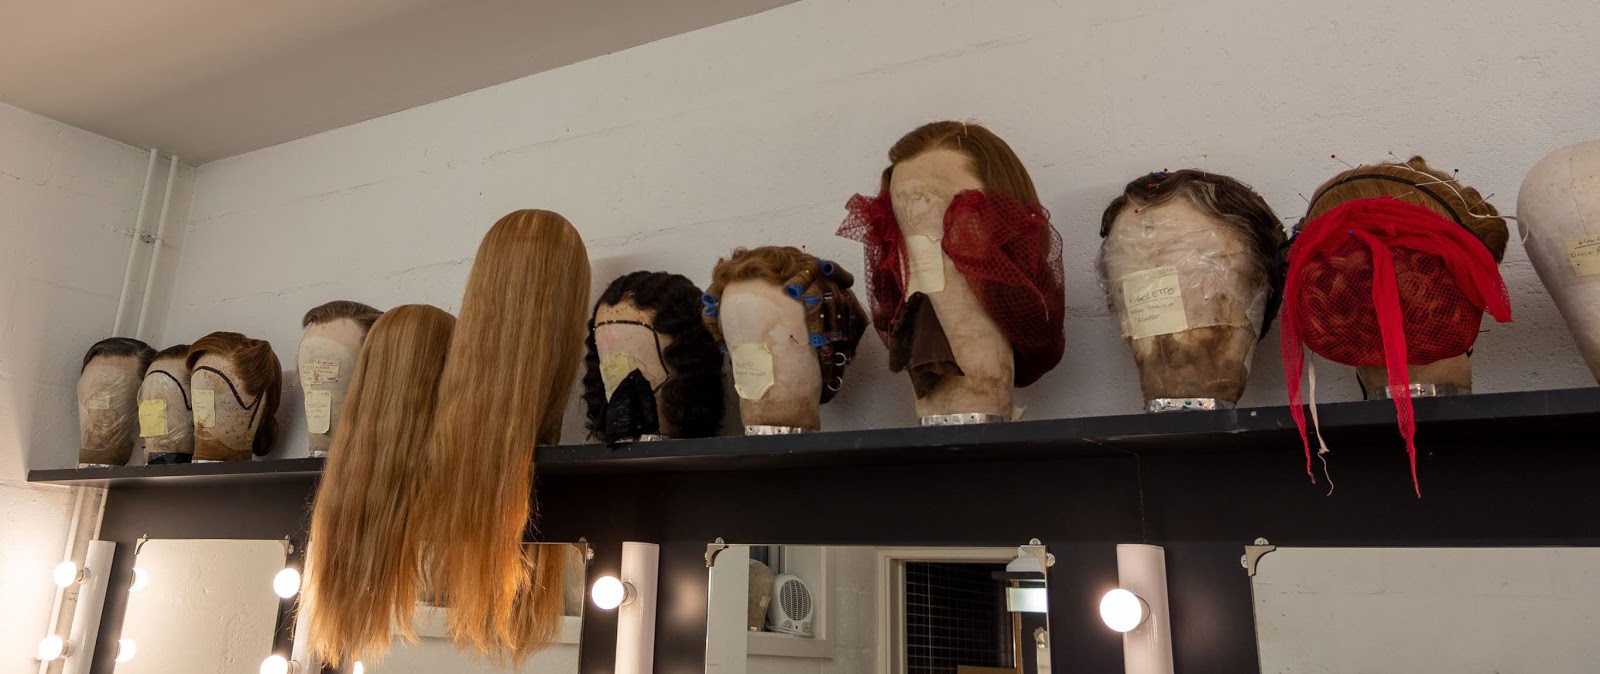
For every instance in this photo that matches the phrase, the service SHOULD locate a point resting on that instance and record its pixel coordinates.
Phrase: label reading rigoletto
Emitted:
(1154, 303)
(752, 370)
(152, 418)
(925, 264)
(319, 372)
(1584, 253)
(204, 402)
(319, 411)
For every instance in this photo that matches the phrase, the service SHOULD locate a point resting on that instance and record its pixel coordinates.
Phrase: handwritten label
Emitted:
(204, 402)
(925, 262)
(1154, 303)
(319, 411)
(1584, 252)
(152, 418)
(752, 370)
(100, 401)
(319, 372)
(613, 369)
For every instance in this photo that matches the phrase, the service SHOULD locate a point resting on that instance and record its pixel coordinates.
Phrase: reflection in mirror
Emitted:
(201, 607)
(777, 609)
(435, 653)
(1509, 610)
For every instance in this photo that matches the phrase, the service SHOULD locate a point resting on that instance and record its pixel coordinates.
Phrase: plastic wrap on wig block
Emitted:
(108, 402)
(1385, 282)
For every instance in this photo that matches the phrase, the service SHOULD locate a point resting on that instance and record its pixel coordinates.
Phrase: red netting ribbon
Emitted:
(1385, 282)
(1008, 252)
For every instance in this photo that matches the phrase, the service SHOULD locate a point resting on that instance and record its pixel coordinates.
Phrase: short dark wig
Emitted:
(127, 346)
(692, 395)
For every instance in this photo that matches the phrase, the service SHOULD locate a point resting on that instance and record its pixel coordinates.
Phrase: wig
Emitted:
(121, 346)
(181, 435)
(261, 379)
(1415, 182)
(109, 426)
(505, 383)
(692, 393)
(834, 316)
(365, 555)
(362, 314)
(1000, 238)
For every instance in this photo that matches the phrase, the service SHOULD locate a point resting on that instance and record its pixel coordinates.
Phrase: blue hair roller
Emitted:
(794, 291)
(710, 312)
(812, 301)
(708, 299)
(827, 267)
(817, 341)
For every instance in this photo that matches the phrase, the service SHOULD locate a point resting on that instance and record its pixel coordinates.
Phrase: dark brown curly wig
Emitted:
(692, 395)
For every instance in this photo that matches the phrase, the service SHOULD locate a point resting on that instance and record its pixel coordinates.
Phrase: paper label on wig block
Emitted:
(152, 418)
(204, 402)
(319, 372)
(925, 264)
(613, 369)
(319, 411)
(100, 401)
(752, 370)
(1584, 252)
(1154, 303)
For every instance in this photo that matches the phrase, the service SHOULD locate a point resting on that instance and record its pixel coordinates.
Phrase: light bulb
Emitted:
(286, 583)
(1122, 610)
(609, 593)
(65, 574)
(141, 580)
(126, 649)
(358, 668)
(52, 648)
(276, 664)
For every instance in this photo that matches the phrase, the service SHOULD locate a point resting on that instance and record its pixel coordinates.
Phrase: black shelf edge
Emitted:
(1478, 419)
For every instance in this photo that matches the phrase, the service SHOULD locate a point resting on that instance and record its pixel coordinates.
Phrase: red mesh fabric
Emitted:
(1009, 254)
(1385, 282)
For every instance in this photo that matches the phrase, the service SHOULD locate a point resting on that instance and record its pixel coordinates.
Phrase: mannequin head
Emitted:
(790, 325)
(240, 380)
(1559, 207)
(368, 563)
(327, 354)
(963, 269)
(1214, 245)
(165, 420)
(108, 389)
(647, 347)
(505, 385)
(1415, 182)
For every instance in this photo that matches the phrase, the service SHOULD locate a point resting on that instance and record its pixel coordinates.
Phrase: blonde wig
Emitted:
(1417, 183)
(505, 386)
(365, 557)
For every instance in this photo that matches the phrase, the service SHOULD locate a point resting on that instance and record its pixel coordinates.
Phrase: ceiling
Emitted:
(209, 79)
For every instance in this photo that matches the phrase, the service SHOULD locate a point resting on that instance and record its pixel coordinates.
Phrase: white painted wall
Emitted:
(67, 202)
(757, 131)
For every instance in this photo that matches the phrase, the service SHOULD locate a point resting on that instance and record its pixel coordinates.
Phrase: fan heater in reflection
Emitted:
(791, 610)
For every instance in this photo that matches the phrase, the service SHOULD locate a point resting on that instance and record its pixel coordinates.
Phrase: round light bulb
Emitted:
(286, 583)
(65, 574)
(358, 668)
(52, 648)
(275, 664)
(126, 649)
(608, 593)
(1122, 610)
(141, 580)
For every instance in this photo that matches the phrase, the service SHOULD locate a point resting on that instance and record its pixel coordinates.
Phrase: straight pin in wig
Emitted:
(365, 562)
(505, 386)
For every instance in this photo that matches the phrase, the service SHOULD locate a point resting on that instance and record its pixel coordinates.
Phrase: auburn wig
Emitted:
(261, 376)
(834, 317)
(692, 394)
(993, 161)
(365, 555)
(1221, 198)
(505, 384)
(1417, 183)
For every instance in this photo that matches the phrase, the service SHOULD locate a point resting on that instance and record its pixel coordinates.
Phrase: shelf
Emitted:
(1479, 419)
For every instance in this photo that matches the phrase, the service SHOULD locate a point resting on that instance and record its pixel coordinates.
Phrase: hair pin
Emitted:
(1341, 161)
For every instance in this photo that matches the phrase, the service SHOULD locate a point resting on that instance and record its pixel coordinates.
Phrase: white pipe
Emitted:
(1142, 570)
(91, 599)
(636, 620)
(54, 621)
(133, 243)
(155, 257)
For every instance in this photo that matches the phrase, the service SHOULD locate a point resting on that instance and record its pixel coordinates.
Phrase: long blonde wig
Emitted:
(365, 564)
(504, 389)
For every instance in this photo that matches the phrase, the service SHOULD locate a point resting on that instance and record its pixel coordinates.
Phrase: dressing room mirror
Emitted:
(201, 607)
(435, 653)
(1507, 610)
(775, 609)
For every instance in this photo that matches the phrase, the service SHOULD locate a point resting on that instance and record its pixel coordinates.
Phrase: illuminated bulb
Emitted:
(141, 580)
(358, 668)
(286, 583)
(126, 649)
(276, 664)
(1123, 610)
(66, 574)
(52, 648)
(609, 593)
